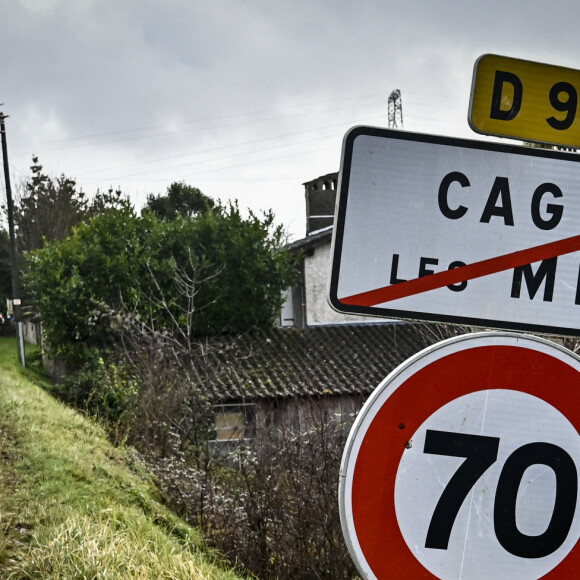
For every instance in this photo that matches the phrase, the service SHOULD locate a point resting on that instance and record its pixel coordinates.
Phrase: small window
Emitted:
(235, 422)
(287, 312)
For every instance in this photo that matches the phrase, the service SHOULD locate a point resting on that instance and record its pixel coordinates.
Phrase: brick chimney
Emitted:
(320, 199)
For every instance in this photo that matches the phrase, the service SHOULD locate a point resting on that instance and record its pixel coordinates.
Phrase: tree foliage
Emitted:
(181, 200)
(118, 260)
(67, 278)
(240, 272)
(47, 209)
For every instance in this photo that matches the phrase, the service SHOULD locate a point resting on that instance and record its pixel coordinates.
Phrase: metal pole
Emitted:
(13, 254)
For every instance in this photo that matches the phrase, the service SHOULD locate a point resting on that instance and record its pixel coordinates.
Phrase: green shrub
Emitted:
(104, 389)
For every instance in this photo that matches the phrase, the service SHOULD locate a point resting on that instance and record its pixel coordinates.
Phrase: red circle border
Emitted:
(481, 367)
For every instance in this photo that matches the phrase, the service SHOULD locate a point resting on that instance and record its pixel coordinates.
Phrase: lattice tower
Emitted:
(395, 109)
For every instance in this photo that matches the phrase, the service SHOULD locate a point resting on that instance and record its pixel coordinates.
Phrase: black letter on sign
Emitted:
(423, 263)
(501, 187)
(394, 268)
(547, 269)
(503, 114)
(458, 286)
(554, 210)
(452, 214)
(480, 453)
(568, 105)
(506, 496)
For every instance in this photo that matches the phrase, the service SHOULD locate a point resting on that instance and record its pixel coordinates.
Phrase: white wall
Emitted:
(316, 277)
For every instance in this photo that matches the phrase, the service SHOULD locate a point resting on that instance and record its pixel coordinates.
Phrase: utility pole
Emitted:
(16, 304)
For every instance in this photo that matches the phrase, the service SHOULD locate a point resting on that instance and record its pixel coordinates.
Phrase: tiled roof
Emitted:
(324, 360)
(311, 241)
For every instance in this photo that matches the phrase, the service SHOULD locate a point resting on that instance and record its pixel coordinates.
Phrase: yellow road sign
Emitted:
(525, 100)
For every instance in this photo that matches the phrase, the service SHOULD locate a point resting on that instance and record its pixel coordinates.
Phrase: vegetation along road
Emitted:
(72, 506)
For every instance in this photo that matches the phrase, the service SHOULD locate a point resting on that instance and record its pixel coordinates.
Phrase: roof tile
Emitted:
(337, 360)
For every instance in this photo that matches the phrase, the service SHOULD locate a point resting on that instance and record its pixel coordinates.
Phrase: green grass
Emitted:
(73, 506)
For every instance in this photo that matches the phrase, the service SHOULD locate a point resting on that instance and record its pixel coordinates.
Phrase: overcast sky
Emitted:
(245, 99)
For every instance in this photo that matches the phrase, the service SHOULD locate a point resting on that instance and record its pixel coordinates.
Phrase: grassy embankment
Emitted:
(72, 506)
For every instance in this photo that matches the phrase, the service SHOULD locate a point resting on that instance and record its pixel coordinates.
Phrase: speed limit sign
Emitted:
(464, 464)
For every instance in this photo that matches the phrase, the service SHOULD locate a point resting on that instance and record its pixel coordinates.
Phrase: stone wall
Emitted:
(316, 279)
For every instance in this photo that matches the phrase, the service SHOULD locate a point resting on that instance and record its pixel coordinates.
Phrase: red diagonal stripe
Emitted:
(464, 273)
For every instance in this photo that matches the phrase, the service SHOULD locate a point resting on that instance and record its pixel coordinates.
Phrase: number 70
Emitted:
(480, 452)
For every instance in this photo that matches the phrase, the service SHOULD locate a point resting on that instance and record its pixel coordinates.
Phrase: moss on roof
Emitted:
(330, 360)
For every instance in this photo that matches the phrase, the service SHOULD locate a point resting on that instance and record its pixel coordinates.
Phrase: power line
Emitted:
(226, 157)
(225, 120)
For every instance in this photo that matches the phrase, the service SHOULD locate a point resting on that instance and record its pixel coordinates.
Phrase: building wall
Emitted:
(306, 304)
(300, 415)
(317, 268)
(272, 420)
